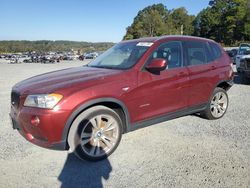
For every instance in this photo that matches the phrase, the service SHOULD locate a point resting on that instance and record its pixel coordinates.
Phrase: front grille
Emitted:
(248, 63)
(15, 99)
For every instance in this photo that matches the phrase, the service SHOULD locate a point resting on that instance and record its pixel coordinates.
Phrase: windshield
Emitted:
(121, 56)
(244, 49)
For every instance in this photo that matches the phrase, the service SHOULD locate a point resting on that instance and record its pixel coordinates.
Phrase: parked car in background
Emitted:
(232, 52)
(27, 60)
(81, 57)
(48, 59)
(14, 60)
(242, 54)
(244, 67)
(92, 55)
(132, 85)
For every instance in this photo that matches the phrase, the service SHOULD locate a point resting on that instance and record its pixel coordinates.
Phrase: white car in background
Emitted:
(91, 55)
(242, 54)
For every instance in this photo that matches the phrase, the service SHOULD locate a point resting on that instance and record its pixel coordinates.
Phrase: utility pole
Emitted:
(182, 29)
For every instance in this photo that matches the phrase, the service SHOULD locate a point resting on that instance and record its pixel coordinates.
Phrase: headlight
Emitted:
(43, 101)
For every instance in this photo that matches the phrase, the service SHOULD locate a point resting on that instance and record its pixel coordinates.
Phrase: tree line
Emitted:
(56, 46)
(225, 21)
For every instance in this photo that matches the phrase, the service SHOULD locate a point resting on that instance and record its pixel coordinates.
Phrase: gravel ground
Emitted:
(185, 152)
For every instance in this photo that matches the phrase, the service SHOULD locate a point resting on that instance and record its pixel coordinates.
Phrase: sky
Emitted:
(77, 20)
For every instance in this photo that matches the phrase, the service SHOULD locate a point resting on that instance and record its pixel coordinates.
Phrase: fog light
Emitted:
(35, 120)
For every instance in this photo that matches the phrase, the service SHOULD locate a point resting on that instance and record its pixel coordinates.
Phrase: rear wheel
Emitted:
(217, 106)
(95, 133)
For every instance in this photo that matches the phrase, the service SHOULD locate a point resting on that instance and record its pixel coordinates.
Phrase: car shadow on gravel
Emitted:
(77, 173)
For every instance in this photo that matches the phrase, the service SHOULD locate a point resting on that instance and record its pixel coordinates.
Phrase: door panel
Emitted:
(200, 84)
(163, 92)
(159, 94)
(200, 70)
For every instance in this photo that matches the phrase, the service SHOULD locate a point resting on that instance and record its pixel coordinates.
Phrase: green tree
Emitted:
(247, 23)
(225, 21)
(148, 22)
(157, 20)
(46, 45)
(182, 22)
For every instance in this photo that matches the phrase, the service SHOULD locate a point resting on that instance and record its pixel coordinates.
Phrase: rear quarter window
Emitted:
(215, 51)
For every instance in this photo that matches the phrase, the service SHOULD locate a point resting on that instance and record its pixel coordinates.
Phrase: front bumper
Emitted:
(246, 73)
(48, 133)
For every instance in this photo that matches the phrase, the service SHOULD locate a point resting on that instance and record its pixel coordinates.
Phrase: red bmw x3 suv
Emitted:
(134, 84)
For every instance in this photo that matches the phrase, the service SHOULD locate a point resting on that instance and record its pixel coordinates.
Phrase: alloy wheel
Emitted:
(99, 135)
(218, 104)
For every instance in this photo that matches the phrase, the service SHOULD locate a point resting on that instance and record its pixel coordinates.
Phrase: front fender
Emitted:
(88, 104)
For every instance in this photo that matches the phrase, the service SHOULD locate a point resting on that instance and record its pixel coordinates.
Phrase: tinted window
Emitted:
(195, 53)
(209, 55)
(171, 51)
(215, 51)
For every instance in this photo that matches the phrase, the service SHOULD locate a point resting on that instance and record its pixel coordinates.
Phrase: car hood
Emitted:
(72, 77)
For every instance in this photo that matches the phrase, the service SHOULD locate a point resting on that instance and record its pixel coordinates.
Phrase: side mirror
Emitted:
(157, 65)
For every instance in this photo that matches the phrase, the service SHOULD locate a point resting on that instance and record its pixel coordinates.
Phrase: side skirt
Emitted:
(166, 117)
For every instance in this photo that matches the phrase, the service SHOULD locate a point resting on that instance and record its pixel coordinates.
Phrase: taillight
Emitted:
(231, 64)
(231, 72)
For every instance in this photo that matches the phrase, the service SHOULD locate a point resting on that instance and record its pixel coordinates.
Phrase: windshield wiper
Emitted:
(103, 67)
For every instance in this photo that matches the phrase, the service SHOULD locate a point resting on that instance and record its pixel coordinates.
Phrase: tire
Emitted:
(95, 133)
(217, 106)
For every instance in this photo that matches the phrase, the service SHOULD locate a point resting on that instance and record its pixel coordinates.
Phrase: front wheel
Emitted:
(217, 106)
(95, 133)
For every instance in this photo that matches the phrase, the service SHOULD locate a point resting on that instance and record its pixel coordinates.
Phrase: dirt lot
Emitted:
(185, 152)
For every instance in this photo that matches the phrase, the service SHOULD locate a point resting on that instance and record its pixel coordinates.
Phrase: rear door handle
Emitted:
(182, 74)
